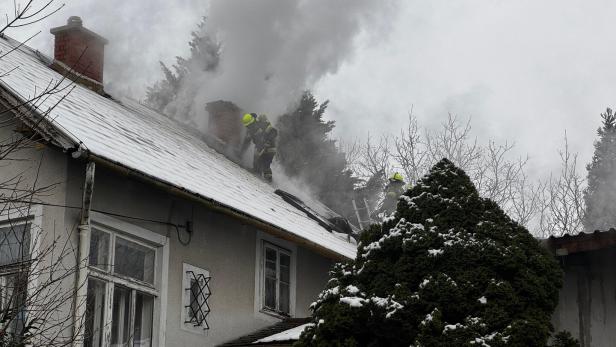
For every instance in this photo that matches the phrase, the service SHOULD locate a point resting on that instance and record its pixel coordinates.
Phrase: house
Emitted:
(171, 243)
(587, 300)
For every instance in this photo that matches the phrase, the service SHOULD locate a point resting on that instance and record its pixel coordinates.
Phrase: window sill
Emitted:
(199, 330)
(275, 314)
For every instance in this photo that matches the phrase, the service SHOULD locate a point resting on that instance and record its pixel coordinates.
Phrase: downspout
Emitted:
(81, 283)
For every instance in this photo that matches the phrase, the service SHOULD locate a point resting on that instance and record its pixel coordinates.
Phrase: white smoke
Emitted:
(273, 50)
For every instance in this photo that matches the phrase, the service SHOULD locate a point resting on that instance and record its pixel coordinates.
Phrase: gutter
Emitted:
(214, 205)
(68, 143)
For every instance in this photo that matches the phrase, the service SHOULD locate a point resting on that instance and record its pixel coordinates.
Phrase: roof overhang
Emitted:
(215, 205)
(63, 141)
(582, 242)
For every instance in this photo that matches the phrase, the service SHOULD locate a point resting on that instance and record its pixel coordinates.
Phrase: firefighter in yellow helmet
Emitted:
(394, 188)
(263, 135)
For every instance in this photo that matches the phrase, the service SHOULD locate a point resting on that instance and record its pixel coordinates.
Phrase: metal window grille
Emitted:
(199, 294)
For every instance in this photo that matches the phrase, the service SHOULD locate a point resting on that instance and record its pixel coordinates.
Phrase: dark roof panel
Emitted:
(582, 242)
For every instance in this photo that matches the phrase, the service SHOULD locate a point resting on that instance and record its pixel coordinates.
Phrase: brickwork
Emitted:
(80, 49)
(225, 121)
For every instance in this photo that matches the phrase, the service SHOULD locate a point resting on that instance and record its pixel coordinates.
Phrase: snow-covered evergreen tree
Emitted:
(306, 152)
(448, 268)
(600, 194)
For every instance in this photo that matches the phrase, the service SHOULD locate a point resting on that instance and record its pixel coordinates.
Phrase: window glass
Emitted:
(270, 269)
(270, 278)
(270, 254)
(270, 293)
(99, 249)
(284, 298)
(285, 278)
(13, 291)
(285, 269)
(196, 299)
(95, 305)
(285, 260)
(134, 260)
(121, 317)
(14, 243)
(277, 278)
(144, 311)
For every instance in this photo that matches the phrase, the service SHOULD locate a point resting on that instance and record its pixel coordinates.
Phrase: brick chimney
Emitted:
(225, 122)
(80, 50)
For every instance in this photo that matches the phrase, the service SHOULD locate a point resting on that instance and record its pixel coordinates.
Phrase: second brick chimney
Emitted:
(80, 49)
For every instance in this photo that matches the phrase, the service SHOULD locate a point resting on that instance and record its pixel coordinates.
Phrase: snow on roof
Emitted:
(287, 335)
(146, 141)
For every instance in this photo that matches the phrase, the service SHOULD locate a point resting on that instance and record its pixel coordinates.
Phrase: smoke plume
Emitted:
(273, 50)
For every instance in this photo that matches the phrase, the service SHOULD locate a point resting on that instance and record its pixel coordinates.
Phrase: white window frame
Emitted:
(160, 244)
(259, 308)
(34, 216)
(186, 268)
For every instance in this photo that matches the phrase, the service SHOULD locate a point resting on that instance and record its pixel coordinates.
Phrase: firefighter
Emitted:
(260, 132)
(394, 188)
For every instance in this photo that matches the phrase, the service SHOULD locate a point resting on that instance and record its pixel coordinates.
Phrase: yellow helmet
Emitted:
(397, 177)
(248, 119)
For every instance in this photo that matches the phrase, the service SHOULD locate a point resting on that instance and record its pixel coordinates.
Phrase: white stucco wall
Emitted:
(220, 244)
(40, 167)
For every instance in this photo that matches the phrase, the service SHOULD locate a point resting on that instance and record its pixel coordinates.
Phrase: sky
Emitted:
(523, 71)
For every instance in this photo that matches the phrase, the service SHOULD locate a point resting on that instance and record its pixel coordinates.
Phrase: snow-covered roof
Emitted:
(287, 335)
(138, 138)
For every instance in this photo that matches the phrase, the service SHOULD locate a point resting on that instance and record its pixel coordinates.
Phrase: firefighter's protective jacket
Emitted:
(263, 135)
(393, 190)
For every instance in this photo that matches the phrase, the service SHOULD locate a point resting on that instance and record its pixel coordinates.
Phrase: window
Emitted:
(13, 292)
(196, 286)
(14, 243)
(276, 279)
(123, 286)
(275, 271)
(95, 305)
(15, 252)
(131, 307)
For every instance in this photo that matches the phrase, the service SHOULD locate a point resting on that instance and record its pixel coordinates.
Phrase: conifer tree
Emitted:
(600, 194)
(306, 151)
(204, 56)
(448, 268)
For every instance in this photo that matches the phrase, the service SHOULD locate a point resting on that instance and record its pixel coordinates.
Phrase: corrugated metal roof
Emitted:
(141, 139)
(581, 242)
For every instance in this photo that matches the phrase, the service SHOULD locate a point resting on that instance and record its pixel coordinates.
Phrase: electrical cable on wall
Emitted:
(187, 226)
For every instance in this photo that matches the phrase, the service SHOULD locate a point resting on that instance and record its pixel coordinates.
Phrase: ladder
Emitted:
(362, 222)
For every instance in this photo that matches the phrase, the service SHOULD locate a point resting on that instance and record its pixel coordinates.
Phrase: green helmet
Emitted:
(248, 119)
(397, 177)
